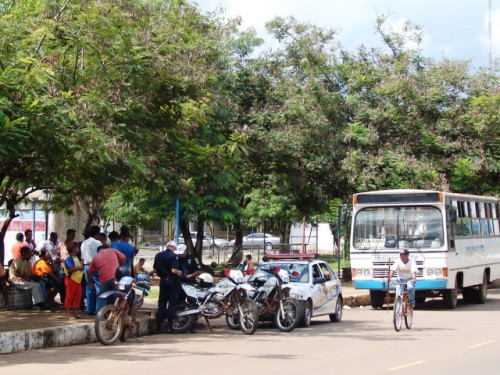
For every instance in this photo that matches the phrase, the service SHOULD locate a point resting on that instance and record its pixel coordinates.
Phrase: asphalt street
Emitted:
(465, 340)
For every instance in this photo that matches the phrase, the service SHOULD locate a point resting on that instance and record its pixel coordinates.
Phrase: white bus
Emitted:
(454, 239)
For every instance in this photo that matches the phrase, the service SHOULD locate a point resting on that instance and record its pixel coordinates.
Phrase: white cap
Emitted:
(181, 249)
(171, 243)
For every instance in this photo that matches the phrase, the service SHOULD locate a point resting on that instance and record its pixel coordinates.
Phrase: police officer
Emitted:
(189, 267)
(167, 268)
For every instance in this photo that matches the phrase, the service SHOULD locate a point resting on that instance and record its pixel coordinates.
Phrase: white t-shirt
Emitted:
(89, 249)
(405, 270)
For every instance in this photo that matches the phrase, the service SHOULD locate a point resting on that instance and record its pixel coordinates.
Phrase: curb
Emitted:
(84, 333)
(18, 341)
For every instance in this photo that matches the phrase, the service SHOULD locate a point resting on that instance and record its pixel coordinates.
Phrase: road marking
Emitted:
(481, 344)
(405, 366)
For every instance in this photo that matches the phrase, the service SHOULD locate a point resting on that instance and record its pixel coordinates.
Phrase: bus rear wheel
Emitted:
(482, 291)
(450, 297)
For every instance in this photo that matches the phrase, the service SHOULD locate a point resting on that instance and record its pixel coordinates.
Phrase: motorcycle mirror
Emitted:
(277, 269)
(265, 259)
(213, 264)
(226, 272)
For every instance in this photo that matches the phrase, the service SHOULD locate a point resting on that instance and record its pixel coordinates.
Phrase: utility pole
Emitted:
(489, 34)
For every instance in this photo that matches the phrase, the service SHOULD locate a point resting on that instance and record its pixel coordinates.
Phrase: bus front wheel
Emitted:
(377, 298)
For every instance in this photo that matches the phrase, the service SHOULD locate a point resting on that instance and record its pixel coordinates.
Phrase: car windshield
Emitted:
(298, 272)
(398, 227)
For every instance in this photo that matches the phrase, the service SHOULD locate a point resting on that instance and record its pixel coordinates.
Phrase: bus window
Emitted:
(398, 227)
(476, 228)
(483, 220)
(463, 221)
(494, 215)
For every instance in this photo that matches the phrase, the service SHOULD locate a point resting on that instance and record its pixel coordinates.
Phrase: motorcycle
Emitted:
(213, 301)
(272, 296)
(114, 320)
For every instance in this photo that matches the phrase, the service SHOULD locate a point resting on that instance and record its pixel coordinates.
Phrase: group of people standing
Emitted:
(79, 272)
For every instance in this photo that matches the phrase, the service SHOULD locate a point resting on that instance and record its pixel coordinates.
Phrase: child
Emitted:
(73, 271)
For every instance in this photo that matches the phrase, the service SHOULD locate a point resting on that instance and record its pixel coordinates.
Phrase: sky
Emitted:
(456, 29)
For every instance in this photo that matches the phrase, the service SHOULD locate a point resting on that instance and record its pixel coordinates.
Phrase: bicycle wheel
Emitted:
(108, 325)
(397, 314)
(409, 315)
(287, 319)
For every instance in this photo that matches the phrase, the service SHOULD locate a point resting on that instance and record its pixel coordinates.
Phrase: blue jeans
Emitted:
(91, 294)
(104, 287)
(410, 287)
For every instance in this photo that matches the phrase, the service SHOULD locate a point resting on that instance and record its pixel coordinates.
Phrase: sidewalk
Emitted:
(28, 329)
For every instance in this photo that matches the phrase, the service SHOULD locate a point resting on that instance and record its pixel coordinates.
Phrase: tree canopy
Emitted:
(123, 107)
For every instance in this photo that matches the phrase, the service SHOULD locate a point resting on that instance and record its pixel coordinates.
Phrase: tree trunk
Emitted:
(237, 255)
(11, 208)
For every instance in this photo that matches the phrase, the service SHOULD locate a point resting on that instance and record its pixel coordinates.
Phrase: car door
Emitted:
(332, 288)
(319, 290)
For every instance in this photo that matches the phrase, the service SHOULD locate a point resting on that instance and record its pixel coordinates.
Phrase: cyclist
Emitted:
(407, 272)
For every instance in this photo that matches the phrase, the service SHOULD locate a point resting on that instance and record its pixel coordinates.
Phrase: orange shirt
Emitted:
(41, 267)
(16, 249)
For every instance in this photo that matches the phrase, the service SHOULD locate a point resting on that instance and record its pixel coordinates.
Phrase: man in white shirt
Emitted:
(89, 251)
(50, 245)
(407, 272)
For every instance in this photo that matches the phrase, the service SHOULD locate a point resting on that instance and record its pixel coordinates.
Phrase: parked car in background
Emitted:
(266, 240)
(208, 241)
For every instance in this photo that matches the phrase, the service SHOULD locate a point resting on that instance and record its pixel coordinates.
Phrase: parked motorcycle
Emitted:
(114, 320)
(272, 296)
(212, 301)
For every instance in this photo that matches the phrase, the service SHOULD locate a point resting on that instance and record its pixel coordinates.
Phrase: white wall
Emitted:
(318, 238)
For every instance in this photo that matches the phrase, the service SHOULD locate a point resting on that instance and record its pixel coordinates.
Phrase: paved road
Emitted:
(463, 341)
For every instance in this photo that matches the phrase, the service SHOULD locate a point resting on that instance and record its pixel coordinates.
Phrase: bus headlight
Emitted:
(430, 272)
(439, 272)
(367, 273)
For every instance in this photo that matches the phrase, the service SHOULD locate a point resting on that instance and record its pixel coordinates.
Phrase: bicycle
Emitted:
(402, 308)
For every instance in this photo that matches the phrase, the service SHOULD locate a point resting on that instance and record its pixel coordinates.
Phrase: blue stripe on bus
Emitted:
(379, 285)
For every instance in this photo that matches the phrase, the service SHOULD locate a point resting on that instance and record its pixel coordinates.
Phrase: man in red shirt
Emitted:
(105, 264)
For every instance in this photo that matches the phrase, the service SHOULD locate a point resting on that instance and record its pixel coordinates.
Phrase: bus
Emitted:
(454, 239)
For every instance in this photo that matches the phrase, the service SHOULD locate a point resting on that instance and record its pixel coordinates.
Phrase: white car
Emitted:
(312, 282)
(259, 239)
(208, 241)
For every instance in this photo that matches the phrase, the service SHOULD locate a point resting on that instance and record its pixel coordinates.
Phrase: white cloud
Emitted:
(453, 29)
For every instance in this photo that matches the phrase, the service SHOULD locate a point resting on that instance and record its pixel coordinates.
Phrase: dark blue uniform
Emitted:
(169, 286)
(188, 265)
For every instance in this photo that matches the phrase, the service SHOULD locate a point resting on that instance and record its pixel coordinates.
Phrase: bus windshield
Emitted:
(398, 227)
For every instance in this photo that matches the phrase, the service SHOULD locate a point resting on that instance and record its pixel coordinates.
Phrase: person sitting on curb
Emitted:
(139, 268)
(20, 275)
(44, 270)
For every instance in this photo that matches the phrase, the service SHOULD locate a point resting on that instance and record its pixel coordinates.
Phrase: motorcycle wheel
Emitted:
(249, 320)
(108, 325)
(288, 318)
(184, 323)
(233, 318)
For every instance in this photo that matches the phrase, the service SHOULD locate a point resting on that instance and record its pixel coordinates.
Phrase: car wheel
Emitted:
(337, 315)
(307, 317)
